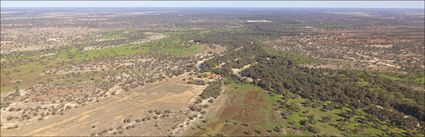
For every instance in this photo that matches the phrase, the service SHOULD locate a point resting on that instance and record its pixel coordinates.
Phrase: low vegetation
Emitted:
(273, 72)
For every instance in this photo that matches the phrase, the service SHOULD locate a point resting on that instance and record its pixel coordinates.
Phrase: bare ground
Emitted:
(108, 116)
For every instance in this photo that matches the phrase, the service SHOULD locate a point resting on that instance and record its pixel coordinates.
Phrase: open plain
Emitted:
(212, 72)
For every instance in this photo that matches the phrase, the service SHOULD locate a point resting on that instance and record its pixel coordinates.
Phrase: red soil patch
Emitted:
(244, 109)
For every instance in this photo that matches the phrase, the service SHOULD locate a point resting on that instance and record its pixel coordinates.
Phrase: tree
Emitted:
(326, 119)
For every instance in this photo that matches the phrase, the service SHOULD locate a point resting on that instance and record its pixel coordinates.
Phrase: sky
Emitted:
(288, 4)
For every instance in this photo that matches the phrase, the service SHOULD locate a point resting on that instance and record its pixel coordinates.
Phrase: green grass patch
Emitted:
(28, 67)
(27, 74)
(245, 104)
(413, 77)
(172, 47)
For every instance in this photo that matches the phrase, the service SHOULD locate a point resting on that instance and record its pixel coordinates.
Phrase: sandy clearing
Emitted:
(79, 121)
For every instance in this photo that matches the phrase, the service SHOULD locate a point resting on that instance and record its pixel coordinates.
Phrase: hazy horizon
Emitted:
(214, 4)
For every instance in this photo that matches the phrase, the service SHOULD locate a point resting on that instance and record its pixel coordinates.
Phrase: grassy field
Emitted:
(418, 77)
(173, 46)
(30, 74)
(20, 76)
(246, 110)
(28, 70)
